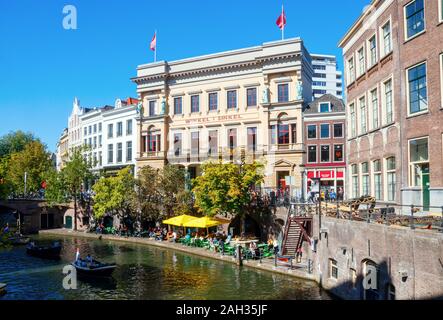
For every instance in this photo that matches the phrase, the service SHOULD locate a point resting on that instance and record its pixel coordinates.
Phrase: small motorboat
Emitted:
(96, 268)
(2, 288)
(46, 252)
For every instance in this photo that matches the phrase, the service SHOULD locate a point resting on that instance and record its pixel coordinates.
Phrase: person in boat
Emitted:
(89, 259)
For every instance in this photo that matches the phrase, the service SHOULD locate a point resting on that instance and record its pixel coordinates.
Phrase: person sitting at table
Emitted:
(188, 236)
(169, 235)
(253, 249)
(228, 239)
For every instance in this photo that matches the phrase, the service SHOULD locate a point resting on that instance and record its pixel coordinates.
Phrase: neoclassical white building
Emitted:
(221, 105)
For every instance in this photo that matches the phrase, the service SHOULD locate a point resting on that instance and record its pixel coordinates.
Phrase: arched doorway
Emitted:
(371, 281)
(252, 227)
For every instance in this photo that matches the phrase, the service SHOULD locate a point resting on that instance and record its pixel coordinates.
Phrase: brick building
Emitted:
(393, 72)
(324, 125)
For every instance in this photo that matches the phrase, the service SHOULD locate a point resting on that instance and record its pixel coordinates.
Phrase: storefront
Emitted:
(330, 179)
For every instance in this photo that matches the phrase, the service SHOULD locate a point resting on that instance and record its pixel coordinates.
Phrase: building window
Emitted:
(417, 88)
(195, 104)
(100, 158)
(418, 161)
(351, 70)
(90, 142)
(100, 127)
(252, 139)
(232, 139)
(376, 169)
(283, 134)
(129, 151)
(85, 131)
(387, 102)
(361, 61)
(195, 143)
(353, 120)
(440, 10)
(232, 99)
(338, 130)
(333, 269)
(293, 133)
(363, 127)
(390, 178)
(387, 38)
(128, 127)
(213, 142)
(95, 128)
(415, 18)
(325, 107)
(354, 172)
(153, 141)
(273, 133)
(374, 108)
(95, 142)
(312, 154)
(178, 107)
(372, 51)
(365, 178)
(100, 140)
(110, 153)
(283, 92)
(119, 152)
(324, 154)
(213, 103)
(312, 131)
(152, 108)
(119, 129)
(90, 129)
(177, 144)
(338, 153)
(324, 131)
(251, 97)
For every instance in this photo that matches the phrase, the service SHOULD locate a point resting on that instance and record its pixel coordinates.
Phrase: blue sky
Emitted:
(43, 66)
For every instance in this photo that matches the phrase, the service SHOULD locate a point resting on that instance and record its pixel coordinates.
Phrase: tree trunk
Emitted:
(242, 225)
(75, 211)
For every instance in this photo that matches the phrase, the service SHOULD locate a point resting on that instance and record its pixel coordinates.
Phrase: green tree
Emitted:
(55, 192)
(225, 188)
(114, 194)
(35, 161)
(76, 172)
(15, 142)
(147, 197)
(171, 188)
(5, 186)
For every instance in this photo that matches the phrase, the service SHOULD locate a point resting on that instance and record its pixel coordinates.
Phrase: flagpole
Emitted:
(155, 51)
(283, 29)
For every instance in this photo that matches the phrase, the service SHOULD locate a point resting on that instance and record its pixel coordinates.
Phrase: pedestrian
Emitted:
(275, 244)
(299, 255)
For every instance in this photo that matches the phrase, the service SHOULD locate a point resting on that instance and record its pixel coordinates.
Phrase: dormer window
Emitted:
(324, 107)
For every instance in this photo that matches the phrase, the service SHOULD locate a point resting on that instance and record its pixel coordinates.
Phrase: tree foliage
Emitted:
(35, 161)
(225, 188)
(55, 192)
(114, 194)
(15, 142)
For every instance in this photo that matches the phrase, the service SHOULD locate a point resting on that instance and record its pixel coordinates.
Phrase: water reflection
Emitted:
(144, 273)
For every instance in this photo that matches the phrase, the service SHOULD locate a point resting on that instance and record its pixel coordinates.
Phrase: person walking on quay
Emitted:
(275, 244)
(299, 255)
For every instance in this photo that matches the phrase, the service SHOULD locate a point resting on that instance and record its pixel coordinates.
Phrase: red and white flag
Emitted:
(281, 21)
(154, 42)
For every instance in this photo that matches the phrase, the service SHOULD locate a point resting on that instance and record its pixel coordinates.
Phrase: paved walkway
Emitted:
(298, 270)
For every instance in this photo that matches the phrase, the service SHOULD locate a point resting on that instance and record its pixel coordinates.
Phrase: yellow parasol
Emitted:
(179, 221)
(205, 222)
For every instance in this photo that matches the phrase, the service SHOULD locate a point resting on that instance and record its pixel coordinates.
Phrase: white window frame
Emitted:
(441, 75)
(307, 131)
(373, 174)
(361, 132)
(361, 70)
(405, 23)
(384, 114)
(316, 153)
(410, 177)
(329, 106)
(333, 152)
(342, 129)
(409, 114)
(386, 171)
(351, 76)
(367, 175)
(329, 135)
(369, 63)
(319, 155)
(382, 39)
(352, 122)
(371, 108)
(354, 175)
(440, 11)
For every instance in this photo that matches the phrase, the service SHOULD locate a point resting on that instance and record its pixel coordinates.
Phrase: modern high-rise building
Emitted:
(327, 79)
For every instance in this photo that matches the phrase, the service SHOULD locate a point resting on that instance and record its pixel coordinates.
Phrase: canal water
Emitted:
(144, 272)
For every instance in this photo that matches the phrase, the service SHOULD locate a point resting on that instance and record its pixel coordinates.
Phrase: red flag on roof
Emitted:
(281, 21)
(154, 42)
